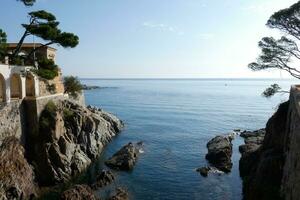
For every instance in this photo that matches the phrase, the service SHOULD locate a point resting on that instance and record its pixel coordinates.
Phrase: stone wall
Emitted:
(34, 107)
(57, 83)
(11, 120)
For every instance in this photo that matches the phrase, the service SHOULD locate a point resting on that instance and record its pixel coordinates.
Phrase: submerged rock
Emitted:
(125, 158)
(70, 138)
(103, 179)
(121, 194)
(219, 153)
(79, 192)
(203, 171)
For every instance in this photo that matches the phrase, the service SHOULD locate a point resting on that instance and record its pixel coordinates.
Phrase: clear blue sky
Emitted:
(155, 38)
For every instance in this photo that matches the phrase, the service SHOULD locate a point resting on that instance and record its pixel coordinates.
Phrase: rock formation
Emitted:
(121, 194)
(16, 175)
(79, 192)
(203, 171)
(219, 153)
(125, 158)
(70, 137)
(253, 140)
(103, 179)
(261, 167)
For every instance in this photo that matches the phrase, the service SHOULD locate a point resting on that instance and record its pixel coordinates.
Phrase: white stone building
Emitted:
(17, 82)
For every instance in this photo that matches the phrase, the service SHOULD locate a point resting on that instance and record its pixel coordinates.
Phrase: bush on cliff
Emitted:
(47, 69)
(47, 118)
(72, 86)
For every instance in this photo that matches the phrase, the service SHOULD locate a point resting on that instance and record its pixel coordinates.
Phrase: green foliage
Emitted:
(68, 114)
(44, 25)
(48, 115)
(287, 20)
(3, 44)
(42, 14)
(18, 60)
(67, 40)
(281, 54)
(72, 86)
(270, 91)
(27, 2)
(276, 54)
(47, 69)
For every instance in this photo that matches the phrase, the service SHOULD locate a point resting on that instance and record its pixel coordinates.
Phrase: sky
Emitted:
(155, 38)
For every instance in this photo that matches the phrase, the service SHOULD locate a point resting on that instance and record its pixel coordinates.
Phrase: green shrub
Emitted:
(72, 86)
(48, 115)
(47, 69)
(68, 114)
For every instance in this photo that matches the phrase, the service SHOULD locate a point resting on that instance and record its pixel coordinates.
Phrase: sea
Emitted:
(175, 118)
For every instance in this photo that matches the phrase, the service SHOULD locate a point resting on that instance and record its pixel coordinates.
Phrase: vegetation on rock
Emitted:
(72, 85)
(3, 45)
(47, 69)
(44, 25)
(27, 2)
(281, 53)
(47, 118)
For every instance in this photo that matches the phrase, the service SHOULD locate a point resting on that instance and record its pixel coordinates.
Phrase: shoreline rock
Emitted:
(79, 192)
(105, 178)
(120, 194)
(70, 138)
(220, 152)
(125, 158)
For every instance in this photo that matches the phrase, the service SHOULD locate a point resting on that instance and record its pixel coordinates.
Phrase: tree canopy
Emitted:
(27, 2)
(72, 86)
(44, 25)
(3, 45)
(284, 52)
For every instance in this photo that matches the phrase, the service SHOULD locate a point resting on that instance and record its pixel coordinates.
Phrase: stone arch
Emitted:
(2, 89)
(30, 85)
(15, 86)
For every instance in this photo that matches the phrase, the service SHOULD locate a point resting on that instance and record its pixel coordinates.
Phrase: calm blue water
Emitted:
(175, 119)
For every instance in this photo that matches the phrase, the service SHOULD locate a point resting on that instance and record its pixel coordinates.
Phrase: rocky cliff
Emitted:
(70, 137)
(271, 171)
(16, 175)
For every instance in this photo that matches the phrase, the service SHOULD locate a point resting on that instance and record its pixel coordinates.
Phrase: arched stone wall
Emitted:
(2, 89)
(15, 86)
(30, 86)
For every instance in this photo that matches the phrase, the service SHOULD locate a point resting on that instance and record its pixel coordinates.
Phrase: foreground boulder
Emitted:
(70, 137)
(79, 192)
(219, 153)
(125, 158)
(16, 175)
(103, 179)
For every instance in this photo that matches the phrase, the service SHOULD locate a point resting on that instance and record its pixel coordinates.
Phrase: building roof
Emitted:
(28, 45)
